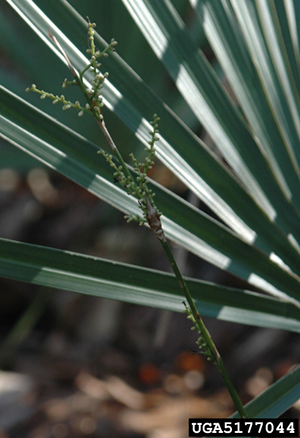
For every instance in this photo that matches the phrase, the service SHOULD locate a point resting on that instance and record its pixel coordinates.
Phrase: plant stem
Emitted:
(204, 332)
(113, 146)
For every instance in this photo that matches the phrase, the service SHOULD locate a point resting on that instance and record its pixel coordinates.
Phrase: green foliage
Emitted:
(255, 194)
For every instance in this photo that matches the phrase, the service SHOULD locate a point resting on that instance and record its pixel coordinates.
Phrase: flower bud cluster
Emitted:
(93, 94)
(138, 187)
(203, 347)
(55, 99)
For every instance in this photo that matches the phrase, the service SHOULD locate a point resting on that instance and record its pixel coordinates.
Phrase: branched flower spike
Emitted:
(137, 187)
(135, 183)
(93, 94)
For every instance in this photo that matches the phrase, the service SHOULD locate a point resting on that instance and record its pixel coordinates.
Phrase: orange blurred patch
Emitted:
(149, 373)
(188, 361)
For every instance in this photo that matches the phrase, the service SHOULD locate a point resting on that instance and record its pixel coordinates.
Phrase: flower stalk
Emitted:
(135, 183)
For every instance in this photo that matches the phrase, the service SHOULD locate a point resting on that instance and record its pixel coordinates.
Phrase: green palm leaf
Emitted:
(72, 155)
(93, 276)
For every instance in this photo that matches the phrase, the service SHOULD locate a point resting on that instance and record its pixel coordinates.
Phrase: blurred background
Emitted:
(77, 366)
